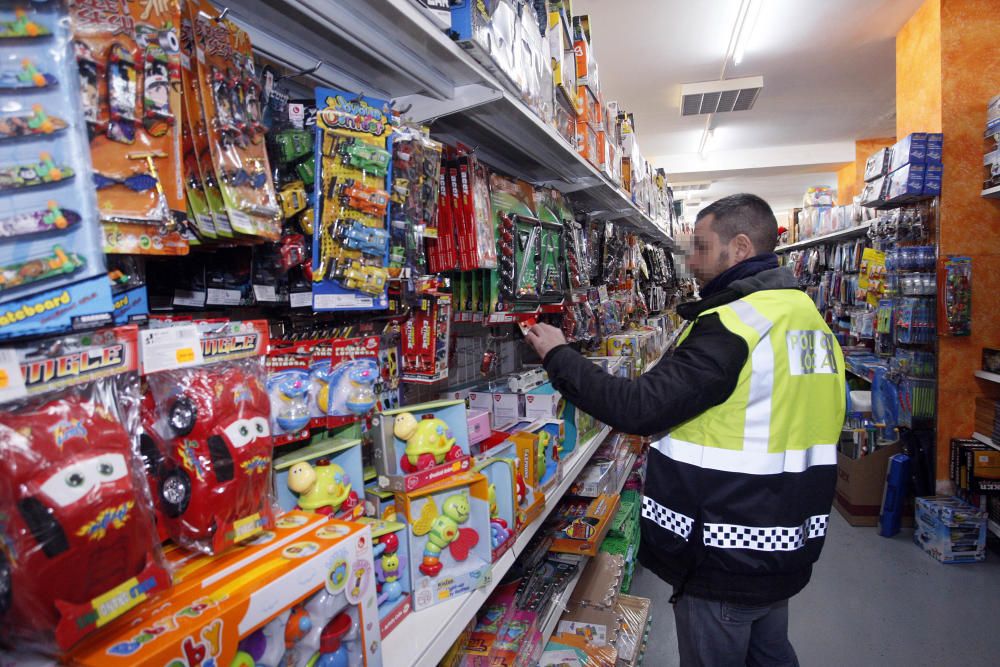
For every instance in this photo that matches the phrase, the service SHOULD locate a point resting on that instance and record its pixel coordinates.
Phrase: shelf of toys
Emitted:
(236, 314)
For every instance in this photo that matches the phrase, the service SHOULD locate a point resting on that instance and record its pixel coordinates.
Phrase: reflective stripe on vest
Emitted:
(775, 538)
(794, 364)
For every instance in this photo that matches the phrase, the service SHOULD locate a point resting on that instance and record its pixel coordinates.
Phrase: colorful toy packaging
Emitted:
(301, 594)
(392, 577)
(448, 530)
(420, 444)
(351, 240)
(580, 524)
(500, 471)
(288, 389)
(324, 477)
(425, 340)
(79, 543)
(348, 390)
(129, 73)
(416, 168)
(52, 271)
(209, 447)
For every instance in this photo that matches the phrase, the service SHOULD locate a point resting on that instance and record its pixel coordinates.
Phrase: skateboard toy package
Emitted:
(52, 272)
(129, 77)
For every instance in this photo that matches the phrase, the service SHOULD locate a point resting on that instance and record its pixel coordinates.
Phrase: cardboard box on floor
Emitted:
(859, 486)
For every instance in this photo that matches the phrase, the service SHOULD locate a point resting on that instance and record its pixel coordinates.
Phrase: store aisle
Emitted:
(872, 601)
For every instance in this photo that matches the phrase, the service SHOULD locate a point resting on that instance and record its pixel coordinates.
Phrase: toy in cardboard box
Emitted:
(420, 444)
(351, 239)
(426, 339)
(392, 574)
(379, 503)
(544, 438)
(209, 446)
(448, 528)
(302, 594)
(72, 492)
(325, 477)
(581, 524)
(529, 496)
(52, 268)
(500, 471)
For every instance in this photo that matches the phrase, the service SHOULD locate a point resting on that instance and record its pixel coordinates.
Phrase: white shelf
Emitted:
(993, 527)
(985, 440)
(392, 49)
(860, 230)
(992, 193)
(986, 375)
(425, 636)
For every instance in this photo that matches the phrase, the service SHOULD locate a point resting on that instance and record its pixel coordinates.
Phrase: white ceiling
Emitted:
(829, 79)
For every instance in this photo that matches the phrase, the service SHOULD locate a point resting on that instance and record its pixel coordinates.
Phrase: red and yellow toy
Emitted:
(429, 442)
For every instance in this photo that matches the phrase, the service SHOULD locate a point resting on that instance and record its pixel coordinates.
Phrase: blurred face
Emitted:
(711, 256)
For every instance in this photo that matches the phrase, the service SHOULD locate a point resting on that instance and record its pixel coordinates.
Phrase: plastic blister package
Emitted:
(633, 617)
(416, 169)
(78, 543)
(210, 443)
(51, 262)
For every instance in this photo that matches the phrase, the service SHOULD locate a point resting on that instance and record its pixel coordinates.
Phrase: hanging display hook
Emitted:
(302, 72)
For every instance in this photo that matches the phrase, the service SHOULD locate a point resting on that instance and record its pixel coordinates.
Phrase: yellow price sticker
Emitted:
(185, 355)
(4, 379)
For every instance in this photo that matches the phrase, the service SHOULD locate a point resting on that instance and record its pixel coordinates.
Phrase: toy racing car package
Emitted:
(78, 544)
(351, 236)
(52, 271)
(209, 447)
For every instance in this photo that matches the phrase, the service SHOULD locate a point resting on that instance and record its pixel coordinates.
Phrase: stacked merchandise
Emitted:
(991, 160)
(909, 171)
(950, 530)
(623, 536)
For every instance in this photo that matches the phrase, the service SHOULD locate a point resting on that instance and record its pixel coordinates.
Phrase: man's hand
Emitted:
(543, 338)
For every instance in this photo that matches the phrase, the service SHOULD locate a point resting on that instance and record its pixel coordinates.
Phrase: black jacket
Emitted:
(700, 373)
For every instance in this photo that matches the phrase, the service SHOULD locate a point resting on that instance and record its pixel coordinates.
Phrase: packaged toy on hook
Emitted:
(79, 543)
(448, 532)
(351, 233)
(325, 477)
(288, 388)
(129, 73)
(52, 270)
(349, 393)
(212, 430)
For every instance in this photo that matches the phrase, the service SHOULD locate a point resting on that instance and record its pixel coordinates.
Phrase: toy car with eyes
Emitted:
(361, 198)
(216, 452)
(367, 279)
(72, 520)
(364, 156)
(368, 240)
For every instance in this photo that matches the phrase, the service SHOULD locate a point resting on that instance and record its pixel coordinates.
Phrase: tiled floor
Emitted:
(873, 601)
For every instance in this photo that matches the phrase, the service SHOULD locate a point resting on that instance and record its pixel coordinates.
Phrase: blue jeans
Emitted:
(720, 634)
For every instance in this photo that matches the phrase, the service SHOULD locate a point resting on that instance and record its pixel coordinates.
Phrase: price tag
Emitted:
(265, 293)
(241, 222)
(224, 297)
(189, 298)
(342, 301)
(170, 347)
(301, 299)
(11, 380)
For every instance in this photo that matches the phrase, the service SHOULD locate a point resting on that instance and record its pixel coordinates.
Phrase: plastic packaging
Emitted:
(211, 468)
(955, 310)
(79, 542)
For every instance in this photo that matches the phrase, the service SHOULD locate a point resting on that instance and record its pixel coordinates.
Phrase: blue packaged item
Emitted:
(905, 184)
(52, 272)
(950, 529)
(932, 179)
(911, 149)
(893, 495)
(935, 147)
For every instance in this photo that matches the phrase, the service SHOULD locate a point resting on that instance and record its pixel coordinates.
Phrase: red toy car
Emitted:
(73, 520)
(212, 459)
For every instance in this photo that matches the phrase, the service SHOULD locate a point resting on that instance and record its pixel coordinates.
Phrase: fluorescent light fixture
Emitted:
(746, 29)
(707, 138)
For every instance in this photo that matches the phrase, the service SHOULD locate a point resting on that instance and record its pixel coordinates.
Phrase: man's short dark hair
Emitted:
(743, 214)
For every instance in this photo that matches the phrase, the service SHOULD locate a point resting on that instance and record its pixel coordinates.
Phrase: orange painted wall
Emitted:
(918, 71)
(947, 69)
(847, 184)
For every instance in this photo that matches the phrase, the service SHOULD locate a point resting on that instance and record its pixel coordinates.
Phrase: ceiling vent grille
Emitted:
(723, 96)
(698, 186)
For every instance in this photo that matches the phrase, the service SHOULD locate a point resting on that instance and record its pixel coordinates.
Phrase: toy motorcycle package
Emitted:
(230, 101)
(129, 75)
(351, 239)
(78, 541)
(210, 469)
(52, 270)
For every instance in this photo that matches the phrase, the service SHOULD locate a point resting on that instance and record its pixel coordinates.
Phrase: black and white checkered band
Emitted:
(665, 517)
(778, 538)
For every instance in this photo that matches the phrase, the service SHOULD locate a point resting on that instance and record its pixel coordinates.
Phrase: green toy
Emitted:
(429, 442)
(324, 488)
(444, 530)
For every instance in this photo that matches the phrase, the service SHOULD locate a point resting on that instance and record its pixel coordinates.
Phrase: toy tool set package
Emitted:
(52, 270)
(73, 499)
(351, 239)
(420, 444)
(325, 477)
(208, 433)
(128, 56)
(448, 528)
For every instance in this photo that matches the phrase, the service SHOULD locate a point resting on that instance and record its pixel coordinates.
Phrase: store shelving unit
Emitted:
(986, 440)
(992, 193)
(850, 232)
(425, 636)
(986, 375)
(407, 57)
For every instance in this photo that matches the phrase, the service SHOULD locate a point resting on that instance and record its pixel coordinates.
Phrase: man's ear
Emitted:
(742, 247)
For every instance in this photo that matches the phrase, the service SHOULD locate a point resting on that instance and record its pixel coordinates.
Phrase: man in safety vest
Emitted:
(749, 409)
